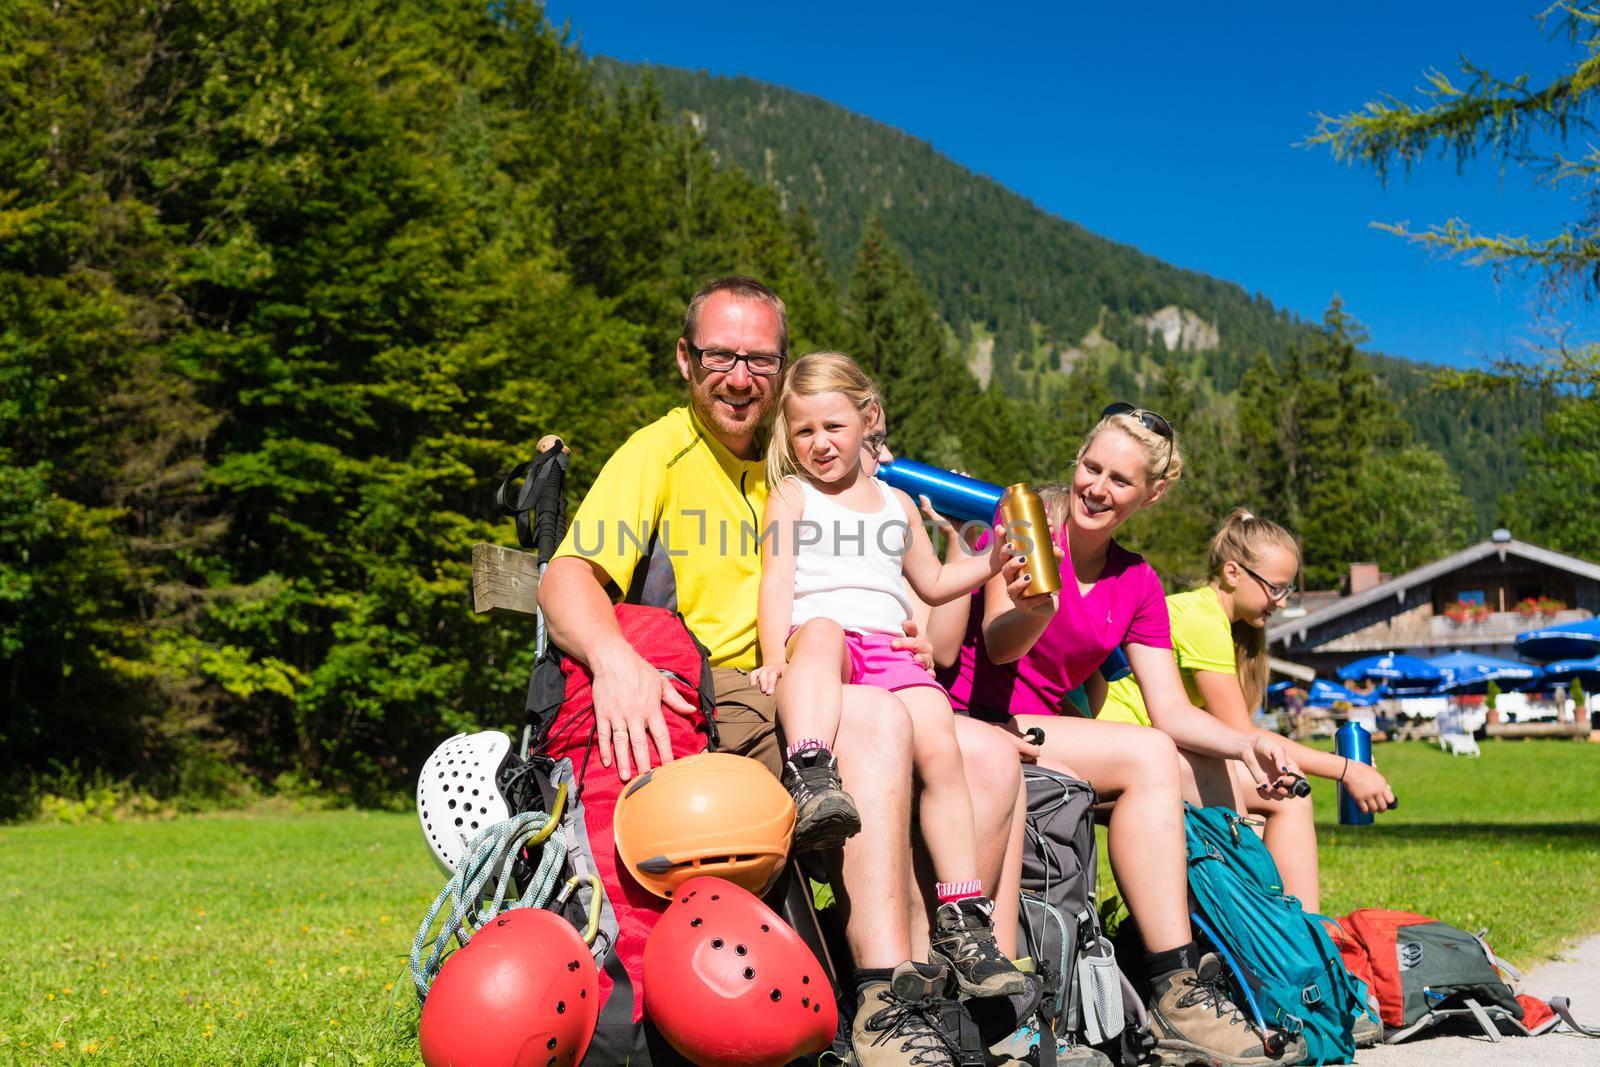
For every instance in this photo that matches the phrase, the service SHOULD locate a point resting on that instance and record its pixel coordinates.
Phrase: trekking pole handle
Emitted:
(549, 506)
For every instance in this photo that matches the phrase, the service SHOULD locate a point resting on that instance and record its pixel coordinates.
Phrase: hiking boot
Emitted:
(825, 816)
(963, 939)
(896, 1022)
(1367, 1030)
(1195, 1022)
(1021, 1047)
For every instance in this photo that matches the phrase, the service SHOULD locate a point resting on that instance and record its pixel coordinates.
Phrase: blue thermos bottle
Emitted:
(1354, 744)
(955, 496)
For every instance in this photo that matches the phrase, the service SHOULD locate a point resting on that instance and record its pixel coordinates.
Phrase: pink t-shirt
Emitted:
(1127, 605)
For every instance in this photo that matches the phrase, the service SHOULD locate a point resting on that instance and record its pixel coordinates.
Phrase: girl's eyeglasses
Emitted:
(1272, 589)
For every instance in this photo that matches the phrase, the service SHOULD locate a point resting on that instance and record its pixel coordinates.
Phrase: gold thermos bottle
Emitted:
(1029, 527)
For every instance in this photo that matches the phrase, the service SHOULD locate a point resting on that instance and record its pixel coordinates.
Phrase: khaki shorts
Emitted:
(747, 718)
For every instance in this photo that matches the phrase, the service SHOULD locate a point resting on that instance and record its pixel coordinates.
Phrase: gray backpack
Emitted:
(1084, 994)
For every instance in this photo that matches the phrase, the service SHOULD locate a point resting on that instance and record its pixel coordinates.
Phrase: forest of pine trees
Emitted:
(285, 289)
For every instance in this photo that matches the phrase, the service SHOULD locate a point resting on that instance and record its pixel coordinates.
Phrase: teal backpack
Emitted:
(1290, 973)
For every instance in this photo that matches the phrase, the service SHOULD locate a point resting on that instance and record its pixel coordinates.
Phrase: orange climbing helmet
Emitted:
(729, 984)
(524, 989)
(714, 813)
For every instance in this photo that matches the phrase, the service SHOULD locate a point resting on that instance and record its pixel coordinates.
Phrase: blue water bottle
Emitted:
(1354, 744)
(955, 496)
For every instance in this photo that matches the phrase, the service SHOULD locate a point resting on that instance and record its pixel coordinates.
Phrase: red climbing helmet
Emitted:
(524, 992)
(729, 984)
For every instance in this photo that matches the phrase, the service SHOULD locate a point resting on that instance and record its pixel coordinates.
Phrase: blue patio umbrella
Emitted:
(1398, 670)
(1471, 672)
(1567, 640)
(1562, 671)
(1326, 694)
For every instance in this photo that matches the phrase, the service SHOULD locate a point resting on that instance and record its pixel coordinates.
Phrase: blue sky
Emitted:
(1172, 126)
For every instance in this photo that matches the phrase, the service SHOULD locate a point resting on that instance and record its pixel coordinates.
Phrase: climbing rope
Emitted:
(493, 850)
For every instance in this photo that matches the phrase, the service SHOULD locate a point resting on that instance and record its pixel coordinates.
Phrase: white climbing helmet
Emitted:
(458, 792)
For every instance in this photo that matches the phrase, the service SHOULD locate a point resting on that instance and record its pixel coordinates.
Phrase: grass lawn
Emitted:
(282, 939)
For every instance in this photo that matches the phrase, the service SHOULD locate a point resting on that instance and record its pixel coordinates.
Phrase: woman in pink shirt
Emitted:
(1028, 651)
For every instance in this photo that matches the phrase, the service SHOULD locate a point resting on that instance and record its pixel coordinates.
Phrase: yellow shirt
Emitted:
(1202, 640)
(675, 483)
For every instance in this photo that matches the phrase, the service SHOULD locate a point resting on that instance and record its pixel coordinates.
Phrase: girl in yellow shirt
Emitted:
(1219, 638)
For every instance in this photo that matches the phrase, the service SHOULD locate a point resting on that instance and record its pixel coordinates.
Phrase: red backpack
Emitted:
(1424, 972)
(560, 718)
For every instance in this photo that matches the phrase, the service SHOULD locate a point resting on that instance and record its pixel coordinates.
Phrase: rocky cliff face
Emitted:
(1181, 329)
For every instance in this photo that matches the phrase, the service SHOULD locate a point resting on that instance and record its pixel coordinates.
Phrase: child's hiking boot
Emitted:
(1195, 1022)
(897, 1022)
(1021, 1049)
(825, 816)
(963, 939)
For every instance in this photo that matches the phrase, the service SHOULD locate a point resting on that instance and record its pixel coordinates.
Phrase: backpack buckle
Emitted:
(1311, 995)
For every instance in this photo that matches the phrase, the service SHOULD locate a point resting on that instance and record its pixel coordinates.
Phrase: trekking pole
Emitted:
(540, 508)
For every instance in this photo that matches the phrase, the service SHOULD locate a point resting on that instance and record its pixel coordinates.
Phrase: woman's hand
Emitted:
(1369, 789)
(1015, 573)
(766, 676)
(1270, 765)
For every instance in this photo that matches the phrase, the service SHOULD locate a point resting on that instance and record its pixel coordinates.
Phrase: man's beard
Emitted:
(729, 423)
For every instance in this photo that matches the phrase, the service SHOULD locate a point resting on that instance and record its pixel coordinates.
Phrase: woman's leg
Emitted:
(811, 691)
(1138, 767)
(1290, 834)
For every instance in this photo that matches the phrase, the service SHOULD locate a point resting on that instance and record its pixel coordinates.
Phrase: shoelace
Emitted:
(813, 779)
(1212, 992)
(898, 1018)
(975, 938)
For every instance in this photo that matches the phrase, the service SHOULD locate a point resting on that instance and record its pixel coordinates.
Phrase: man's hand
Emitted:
(628, 697)
(1369, 789)
(1270, 766)
(766, 676)
(920, 647)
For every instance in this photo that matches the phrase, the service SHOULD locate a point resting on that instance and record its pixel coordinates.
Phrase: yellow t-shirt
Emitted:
(1202, 640)
(674, 482)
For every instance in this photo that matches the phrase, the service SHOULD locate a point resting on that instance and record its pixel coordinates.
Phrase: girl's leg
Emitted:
(1290, 835)
(810, 703)
(1291, 838)
(963, 937)
(1138, 767)
(944, 807)
(811, 691)
(994, 779)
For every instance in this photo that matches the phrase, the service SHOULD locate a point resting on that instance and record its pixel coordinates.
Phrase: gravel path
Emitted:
(1576, 975)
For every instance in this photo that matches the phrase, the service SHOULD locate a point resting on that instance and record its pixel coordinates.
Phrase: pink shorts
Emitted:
(874, 662)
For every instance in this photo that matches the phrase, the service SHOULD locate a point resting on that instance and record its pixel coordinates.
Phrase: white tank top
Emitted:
(847, 564)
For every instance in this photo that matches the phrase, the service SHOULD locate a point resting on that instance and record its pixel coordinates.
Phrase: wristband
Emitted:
(1346, 768)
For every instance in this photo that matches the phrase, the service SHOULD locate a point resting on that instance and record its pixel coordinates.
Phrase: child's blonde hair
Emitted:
(814, 374)
(1163, 461)
(1242, 539)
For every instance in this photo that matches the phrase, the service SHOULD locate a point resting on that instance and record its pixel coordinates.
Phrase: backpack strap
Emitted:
(1489, 1028)
(1563, 1007)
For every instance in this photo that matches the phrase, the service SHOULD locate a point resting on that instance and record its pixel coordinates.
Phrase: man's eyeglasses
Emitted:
(720, 360)
(1156, 424)
(1273, 590)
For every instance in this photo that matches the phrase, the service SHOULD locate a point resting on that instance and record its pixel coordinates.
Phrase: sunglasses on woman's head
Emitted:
(1151, 421)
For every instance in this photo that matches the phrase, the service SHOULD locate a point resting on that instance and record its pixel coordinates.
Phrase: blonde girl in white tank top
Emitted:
(837, 549)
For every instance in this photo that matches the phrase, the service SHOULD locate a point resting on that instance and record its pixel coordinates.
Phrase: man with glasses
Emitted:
(673, 519)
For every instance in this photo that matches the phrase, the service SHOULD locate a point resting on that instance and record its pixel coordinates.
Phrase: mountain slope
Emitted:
(1027, 292)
